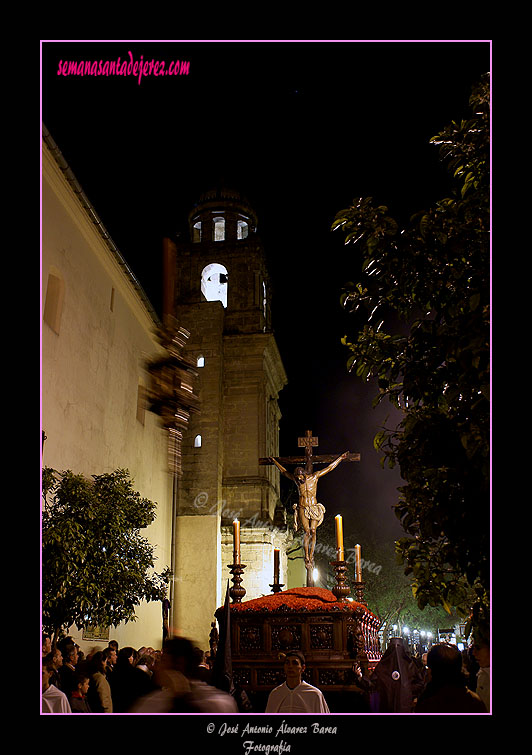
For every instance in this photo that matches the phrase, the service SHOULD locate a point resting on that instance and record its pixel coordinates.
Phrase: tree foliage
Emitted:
(96, 566)
(424, 294)
(389, 595)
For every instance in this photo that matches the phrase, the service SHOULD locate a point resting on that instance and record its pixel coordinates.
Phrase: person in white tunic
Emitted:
(53, 700)
(296, 695)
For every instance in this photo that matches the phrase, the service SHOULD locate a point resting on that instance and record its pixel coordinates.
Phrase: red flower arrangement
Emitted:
(300, 599)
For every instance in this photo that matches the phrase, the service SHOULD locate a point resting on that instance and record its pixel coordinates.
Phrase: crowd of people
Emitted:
(126, 680)
(443, 680)
(178, 679)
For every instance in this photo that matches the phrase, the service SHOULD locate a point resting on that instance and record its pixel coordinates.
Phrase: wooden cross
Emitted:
(307, 443)
(308, 460)
(309, 509)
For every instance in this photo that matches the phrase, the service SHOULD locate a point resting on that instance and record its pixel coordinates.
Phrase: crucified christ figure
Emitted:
(308, 512)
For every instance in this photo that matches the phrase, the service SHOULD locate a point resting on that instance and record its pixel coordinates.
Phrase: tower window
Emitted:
(197, 441)
(214, 283)
(200, 361)
(219, 229)
(242, 229)
(196, 232)
(264, 299)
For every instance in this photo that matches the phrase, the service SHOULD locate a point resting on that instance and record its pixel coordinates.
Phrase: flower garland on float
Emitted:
(303, 599)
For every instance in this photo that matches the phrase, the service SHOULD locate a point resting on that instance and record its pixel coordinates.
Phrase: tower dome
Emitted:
(221, 214)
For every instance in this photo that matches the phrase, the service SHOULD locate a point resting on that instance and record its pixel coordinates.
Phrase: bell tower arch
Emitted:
(222, 230)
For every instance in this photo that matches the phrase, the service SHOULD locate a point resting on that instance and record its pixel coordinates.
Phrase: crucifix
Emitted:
(308, 511)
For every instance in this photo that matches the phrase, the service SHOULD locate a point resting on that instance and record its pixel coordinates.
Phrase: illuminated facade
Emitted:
(97, 332)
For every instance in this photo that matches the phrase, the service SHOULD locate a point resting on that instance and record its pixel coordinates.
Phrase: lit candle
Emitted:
(276, 565)
(339, 538)
(358, 564)
(236, 541)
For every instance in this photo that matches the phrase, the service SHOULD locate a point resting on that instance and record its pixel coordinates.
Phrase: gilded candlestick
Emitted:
(341, 590)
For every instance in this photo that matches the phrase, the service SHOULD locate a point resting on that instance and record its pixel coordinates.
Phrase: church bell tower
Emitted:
(218, 288)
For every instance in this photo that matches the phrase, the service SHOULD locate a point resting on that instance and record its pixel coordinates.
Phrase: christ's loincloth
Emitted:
(314, 512)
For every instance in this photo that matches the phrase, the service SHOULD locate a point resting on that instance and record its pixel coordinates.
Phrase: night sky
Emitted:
(300, 129)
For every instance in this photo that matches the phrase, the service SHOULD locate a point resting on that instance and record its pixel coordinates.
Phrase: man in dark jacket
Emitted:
(67, 671)
(447, 691)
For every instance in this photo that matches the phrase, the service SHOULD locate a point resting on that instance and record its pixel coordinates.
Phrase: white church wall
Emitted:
(96, 336)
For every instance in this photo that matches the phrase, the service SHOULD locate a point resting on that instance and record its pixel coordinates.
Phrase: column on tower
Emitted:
(253, 377)
(198, 527)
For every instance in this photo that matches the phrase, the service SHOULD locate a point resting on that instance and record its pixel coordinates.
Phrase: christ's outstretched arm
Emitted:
(282, 469)
(333, 464)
